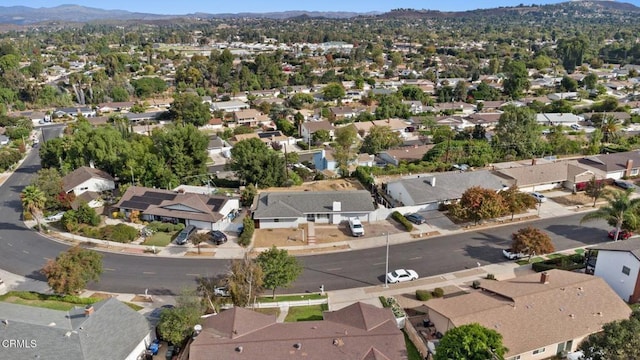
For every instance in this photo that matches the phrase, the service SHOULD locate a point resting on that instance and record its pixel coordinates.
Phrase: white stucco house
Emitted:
(85, 179)
(619, 265)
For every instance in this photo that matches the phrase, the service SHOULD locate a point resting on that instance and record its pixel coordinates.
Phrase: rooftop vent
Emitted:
(239, 349)
(338, 342)
(572, 316)
(297, 346)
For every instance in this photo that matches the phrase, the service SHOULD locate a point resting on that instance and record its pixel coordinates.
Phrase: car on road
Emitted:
(539, 197)
(221, 291)
(623, 235)
(355, 225)
(512, 255)
(217, 237)
(401, 275)
(416, 218)
(185, 234)
(623, 184)
(55, 217)
(576, 127)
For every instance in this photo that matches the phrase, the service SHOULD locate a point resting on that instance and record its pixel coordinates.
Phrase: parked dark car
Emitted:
(184, 235)
(218, 237)
(416, 218)
(623, 184)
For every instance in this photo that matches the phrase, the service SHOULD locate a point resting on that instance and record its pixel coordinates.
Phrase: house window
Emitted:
(634, 172)
(311, 217)
(276, 220)
(517, 357)
(538, 351)
(626, 270)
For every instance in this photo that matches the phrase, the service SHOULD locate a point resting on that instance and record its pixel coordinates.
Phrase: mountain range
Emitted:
(24, 15)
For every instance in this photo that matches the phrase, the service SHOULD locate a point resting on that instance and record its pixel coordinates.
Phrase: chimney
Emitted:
(627, 171)
(337, 206)
(88, 310)
(544, 277)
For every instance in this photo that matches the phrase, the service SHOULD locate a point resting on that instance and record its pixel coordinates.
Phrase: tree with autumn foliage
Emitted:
(516, 201)
(72, 270)
(478, 204)
(531, 241)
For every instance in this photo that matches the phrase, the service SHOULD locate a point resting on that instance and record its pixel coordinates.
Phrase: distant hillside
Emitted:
(23, 15)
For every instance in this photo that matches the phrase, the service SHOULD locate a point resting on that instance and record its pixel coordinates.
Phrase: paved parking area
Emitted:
(438, 219)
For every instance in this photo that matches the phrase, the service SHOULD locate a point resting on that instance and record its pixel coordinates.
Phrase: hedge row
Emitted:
(247, 232)
(164, 227)
(402, 220)
(568, 263)
(425, 295)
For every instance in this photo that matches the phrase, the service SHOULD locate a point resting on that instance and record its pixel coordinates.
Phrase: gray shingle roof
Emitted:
(630, 245)
(82, 174)
(111, 332)
(272, 205)
(448, 186)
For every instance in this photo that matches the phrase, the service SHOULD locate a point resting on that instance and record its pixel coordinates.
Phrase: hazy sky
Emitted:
(222, 6)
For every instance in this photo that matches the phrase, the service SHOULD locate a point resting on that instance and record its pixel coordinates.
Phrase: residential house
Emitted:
(308, 128)
(563, 96)
(145, 116)
(358, 331)
(107, 329)
(115, 106)
(342, 112)
(239, 137)
(229, 106)
(458, 107)
(541, 177)
(618, 264)
(558, 119)
(487, 120)
(203, 211)
(214, 124)
(395, 124)
(454, 122)
(428, 191)
(288, 209)
(560, 307)
(249, 117)
(415, 107)
(87, 184)
(325, 160)
(614, 165)
(622, 116)
(491, 106)
(74, 112)
(406, 153)
(217, 145)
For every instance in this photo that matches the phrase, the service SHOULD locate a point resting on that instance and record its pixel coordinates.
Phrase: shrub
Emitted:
(402, 220)
(438, 292)
(383, 301)
(122, 233)
(423, 295)
(247, 232)
(567, 263)
(303, 145)
(475, 284)
(156, 226)
(490, 277)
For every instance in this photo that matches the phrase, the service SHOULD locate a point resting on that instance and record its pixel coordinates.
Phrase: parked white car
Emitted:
(54, 218)
(355, 225)
(513, 256)
(401, 275)
(539, 197)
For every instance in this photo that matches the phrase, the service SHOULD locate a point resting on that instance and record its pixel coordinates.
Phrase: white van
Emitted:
(356, 227)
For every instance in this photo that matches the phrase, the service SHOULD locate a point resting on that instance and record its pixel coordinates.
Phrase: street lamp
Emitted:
(386, 281)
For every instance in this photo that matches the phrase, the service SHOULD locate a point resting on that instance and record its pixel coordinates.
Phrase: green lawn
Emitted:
(159, 239)
(269, 299)
(53, 302)
(579, 251)
(412, 351)
(635, 307)
(554, 256)
(305, 313)
(533, 260)
(48, 304)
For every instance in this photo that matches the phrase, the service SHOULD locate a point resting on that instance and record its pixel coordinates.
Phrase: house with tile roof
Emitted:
(428, 191)
(289, 209)
(107, 329)
(358, 331)
(204, 211)
(538, 315)
(618, 263)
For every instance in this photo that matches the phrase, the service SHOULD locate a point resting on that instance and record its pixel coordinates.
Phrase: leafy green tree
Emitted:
(531, 241)
(594, 189)
(176, 324)
(33, 201)
(248, 194)
(321, 136)
(72, 270)
(345, 148)
(517, 80)
(245, 280)
(471, 152)
(618, 340)
(333, 91)
(517, 201)
(620, 212)
(572, 51)
(188, 108)
(471, 342)
(148, 86)
(198, 239)
(182, 149)
(279, 268)
(569, 83)
(517, 132)
(255, 163)
(380, 138)
(299, 100)
(49, 181)
(590, 81)
(477, 204)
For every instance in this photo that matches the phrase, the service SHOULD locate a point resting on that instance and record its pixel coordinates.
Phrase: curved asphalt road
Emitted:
(24, 252)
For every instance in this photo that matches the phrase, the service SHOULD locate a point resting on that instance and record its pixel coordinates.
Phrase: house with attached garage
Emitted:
(558, 119)
(88, 184)
(203, 211)
(614, 165)
(554, 175)
(618, 263)
(539, 316)
(107, 329)
(428, 191)
(288, 209)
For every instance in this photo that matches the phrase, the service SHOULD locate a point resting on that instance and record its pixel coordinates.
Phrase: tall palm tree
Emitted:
(621, 210)
(33, 200)
(610, 127)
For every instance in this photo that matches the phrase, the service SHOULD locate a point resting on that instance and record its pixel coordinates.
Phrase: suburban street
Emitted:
(24, 252)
